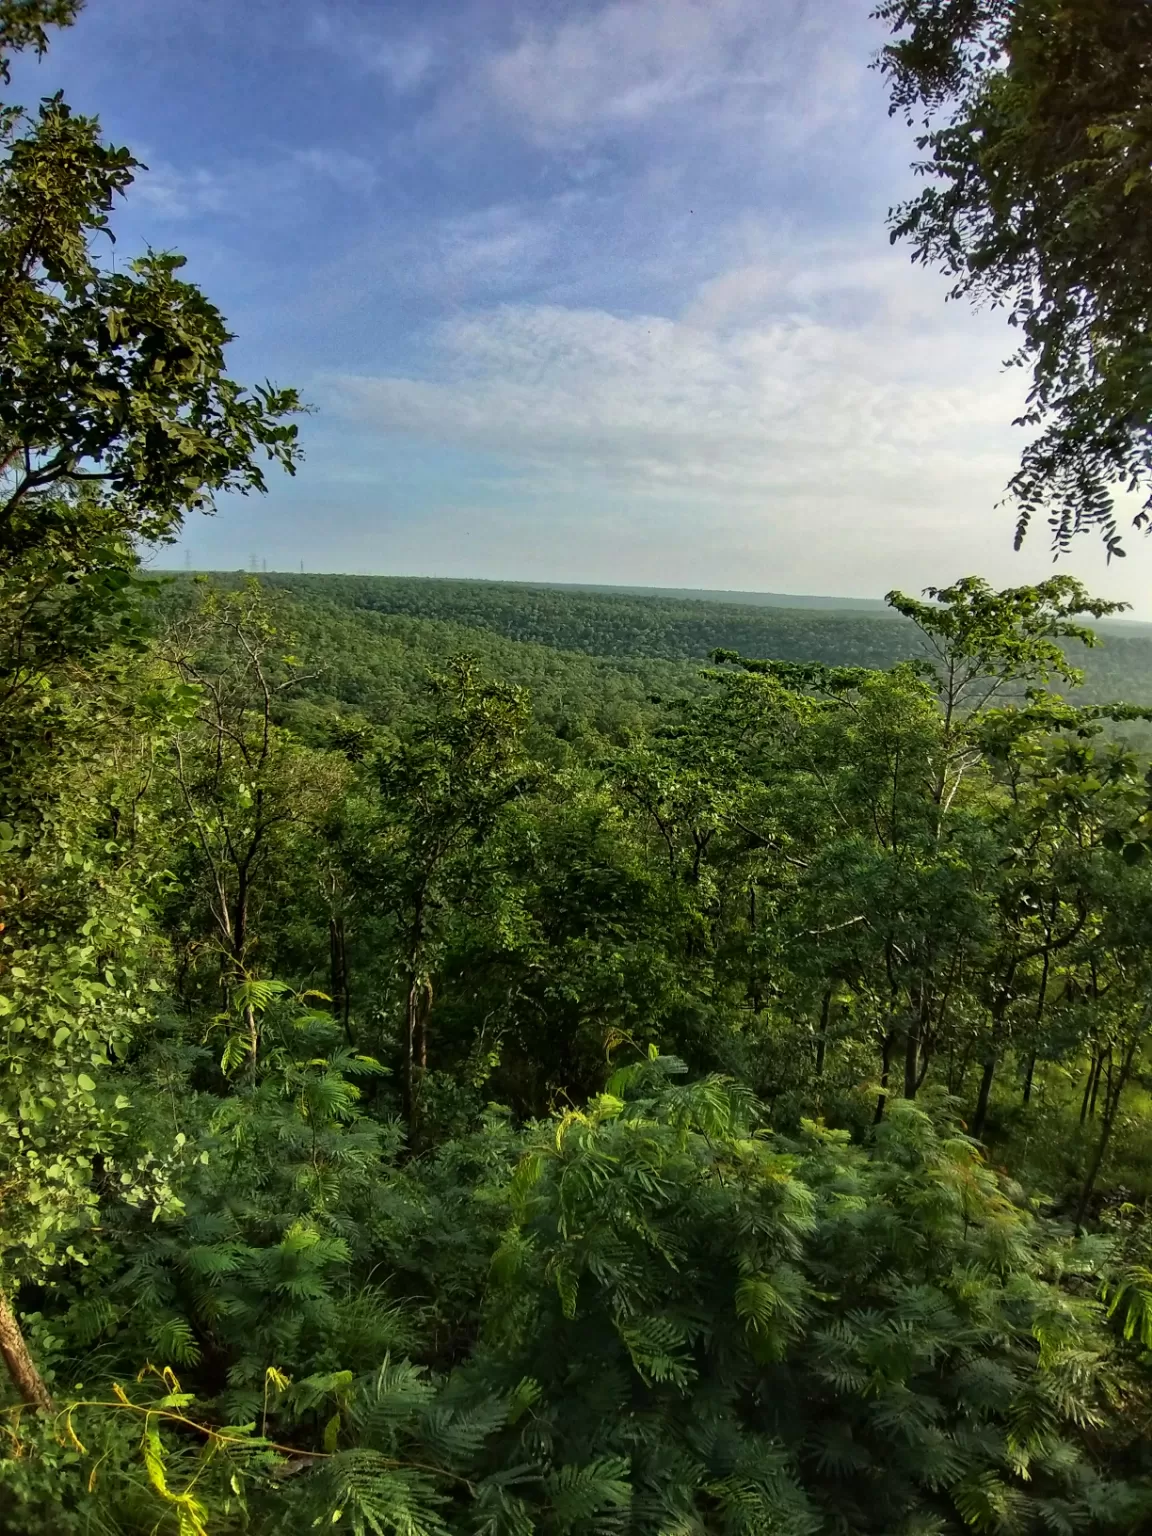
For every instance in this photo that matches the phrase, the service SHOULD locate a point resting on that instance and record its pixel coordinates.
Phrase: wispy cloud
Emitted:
(629, 62)
(249, 188)
(172, 193)
(448, 262)
(754, 393)
(351, 172)
(602, 285)
(402, 59)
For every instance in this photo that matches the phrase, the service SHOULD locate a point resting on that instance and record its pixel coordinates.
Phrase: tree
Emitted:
(117, 417)
(1062, 807)
(439, 794)
(79, 962)
(980, 642)
(1038, 142)
(241, 787)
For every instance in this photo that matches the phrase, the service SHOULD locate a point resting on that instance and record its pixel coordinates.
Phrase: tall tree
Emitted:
(1037, 139)
(117, 417)
(438, 796)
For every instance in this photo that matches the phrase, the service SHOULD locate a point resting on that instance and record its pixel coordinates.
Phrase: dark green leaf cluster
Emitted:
(1037, 129)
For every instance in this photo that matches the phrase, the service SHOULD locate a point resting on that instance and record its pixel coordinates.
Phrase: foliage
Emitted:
(589, 660)
(458, 1086)
(1036, 134)
(797, 1335)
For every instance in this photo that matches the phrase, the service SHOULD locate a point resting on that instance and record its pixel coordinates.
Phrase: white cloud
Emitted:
(631, 60)
(759, 446)
(504, 243)
(248, 188)
(765, 437)
(448, 261)
(404, 61)
(351, 172)
(179, 194)
(754, 394)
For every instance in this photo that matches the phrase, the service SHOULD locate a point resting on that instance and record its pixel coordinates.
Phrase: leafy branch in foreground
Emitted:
(1037, 137)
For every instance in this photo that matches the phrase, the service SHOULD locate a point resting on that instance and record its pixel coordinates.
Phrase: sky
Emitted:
(576, 291)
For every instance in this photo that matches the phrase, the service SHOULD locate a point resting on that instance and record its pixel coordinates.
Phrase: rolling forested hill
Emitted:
(727, 595)
(376, 663)
(615, 625)
(379, 633)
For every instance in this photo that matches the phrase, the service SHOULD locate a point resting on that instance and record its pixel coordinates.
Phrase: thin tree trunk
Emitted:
(980, 1113)
(21, 1367)
(1028, 1076)
(917, 1046)
(992, 1059)
(1093, 1064)
(822, 1037)
(956, 1083)
(411, 1025)
(425, 1010)
(416, 1046)
(338, 967)
(412, 1012)
(1111, 1105)
(1041, 999)
(925, 1062)
(1096, 1085)
(253, 1038)
(911, 1057)
(885, 1062)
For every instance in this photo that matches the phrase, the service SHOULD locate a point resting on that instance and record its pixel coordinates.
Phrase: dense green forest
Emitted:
(604, 624)
(377, 662)
(465, 1123)
(480, 1061)
(345, 619)
(739, 599)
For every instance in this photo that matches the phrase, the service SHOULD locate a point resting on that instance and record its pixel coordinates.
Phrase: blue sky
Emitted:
(578, 291)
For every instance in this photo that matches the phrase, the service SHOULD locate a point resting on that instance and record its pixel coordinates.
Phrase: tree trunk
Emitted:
(992, 1059)
(416, 1047)
(911, 1058)
(822, 1037)
(1111, 1105)
(1093, 1064)
(917, 1043)
(253, 1038)
(885, 1062)
(239, 922)
(412, 1048)
(980, 1113)
(425, 1010)
(926, 1047)
(338, 968)
(21, 1367)
(1028, 1076)
(1096, 1085)
(410, 1031)
(1041, 999)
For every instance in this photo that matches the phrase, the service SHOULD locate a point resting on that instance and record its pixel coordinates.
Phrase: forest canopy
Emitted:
(480, 1061)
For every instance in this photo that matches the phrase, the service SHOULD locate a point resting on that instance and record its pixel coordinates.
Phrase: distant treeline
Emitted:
(636, 633)
(376, 664)
(667, 629)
